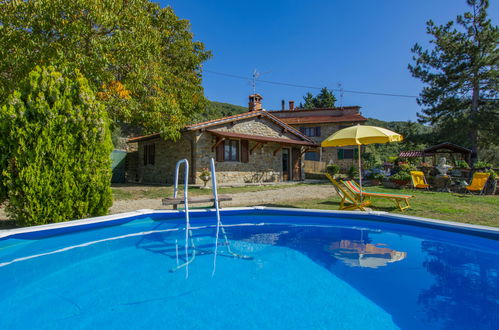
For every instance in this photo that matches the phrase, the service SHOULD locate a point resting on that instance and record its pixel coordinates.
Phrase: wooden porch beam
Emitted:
(256, 146)
(277, 150)
(217, 143)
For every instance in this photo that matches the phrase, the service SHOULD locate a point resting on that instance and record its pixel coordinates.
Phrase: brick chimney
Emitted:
(255, 102)
(291, 105)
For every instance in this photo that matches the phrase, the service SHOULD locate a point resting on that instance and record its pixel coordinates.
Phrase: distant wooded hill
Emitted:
(218, 110)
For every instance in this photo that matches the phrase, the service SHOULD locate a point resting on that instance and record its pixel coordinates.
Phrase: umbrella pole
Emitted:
(360, 174)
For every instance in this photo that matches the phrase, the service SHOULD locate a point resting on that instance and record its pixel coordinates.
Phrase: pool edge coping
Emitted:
(377, 215)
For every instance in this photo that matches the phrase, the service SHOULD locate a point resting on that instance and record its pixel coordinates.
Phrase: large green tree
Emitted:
(324, 99)
(141, 58)
(460, 73)
(54, 149)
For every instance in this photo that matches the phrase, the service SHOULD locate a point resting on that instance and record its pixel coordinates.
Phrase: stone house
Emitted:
(255, 146)
(318, 124)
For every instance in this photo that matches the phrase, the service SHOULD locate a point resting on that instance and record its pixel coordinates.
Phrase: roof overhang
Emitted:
(260, 138)
(144, 138)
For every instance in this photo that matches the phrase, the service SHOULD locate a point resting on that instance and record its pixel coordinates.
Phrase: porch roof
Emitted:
(260, 138)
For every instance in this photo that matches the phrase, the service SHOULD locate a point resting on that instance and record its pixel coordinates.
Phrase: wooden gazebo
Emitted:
(442, 148)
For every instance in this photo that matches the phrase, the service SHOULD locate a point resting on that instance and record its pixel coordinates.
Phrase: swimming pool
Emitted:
(283, 268)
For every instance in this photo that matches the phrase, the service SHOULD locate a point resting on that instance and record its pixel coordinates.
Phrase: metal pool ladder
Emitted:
(188, 231)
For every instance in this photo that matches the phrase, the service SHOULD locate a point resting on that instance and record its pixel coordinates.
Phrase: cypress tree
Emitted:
(56, 147)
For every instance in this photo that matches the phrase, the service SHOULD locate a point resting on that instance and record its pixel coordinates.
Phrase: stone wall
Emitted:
(167, 153)
(262, 165)
(256, 126)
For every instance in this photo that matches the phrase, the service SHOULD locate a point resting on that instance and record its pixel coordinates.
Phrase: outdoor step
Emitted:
(194, 200)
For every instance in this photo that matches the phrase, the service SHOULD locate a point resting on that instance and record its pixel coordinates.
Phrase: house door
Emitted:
(296, 164)
(286, 165)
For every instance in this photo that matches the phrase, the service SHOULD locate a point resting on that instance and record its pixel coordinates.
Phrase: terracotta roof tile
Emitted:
(323, 119)
(350, 107)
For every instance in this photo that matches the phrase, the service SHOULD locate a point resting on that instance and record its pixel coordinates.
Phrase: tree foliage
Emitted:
(55, 145)
(416, 137)
(141, 58)
(325, 99)
(460, 73)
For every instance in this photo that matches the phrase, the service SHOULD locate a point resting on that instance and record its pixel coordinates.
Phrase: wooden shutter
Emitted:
(244, 151)
(219, 151)
(318, 131)
(340, 153)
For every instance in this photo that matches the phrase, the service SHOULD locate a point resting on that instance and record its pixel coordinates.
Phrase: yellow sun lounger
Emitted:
(419, 180)
(401, 200)
(347, 198)
(478, 182)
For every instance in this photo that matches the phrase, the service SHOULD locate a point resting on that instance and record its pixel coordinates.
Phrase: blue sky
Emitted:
(364, 45)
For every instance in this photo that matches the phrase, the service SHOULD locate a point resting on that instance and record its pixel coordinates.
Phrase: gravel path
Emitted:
(265, 197)
(288, 194)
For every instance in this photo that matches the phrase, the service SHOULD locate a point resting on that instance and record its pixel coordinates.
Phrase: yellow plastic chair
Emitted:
(348, 201)
(419, 180)
(401, 200)
(478, 182)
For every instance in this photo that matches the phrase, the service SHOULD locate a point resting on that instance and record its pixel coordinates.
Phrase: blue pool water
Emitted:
(304, 270)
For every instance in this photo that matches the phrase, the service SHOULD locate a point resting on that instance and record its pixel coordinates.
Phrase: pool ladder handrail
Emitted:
(188, 231)
(220, 226)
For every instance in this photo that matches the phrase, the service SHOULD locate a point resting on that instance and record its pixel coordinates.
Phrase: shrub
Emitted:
(401, 176)
(353, 172)
(482, 164)
(57, 166)
(333, 169)
(462, 164)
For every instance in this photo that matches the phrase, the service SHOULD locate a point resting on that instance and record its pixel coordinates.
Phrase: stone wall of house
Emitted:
(262, 165)
(256, 126)
(167, 153)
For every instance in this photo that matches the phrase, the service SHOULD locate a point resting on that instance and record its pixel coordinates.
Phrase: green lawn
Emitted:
(136, 192)
(479, 210)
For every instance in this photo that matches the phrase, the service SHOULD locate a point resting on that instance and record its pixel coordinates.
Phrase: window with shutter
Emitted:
(340, 153)
(348, 153)
(318, 131)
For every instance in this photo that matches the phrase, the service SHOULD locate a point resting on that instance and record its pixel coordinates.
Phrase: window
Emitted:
(347, 153)
(149, 154)
(314, 155)
(231, 150)
(311, 131)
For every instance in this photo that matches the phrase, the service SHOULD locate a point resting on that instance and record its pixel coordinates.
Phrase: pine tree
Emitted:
(56, 145)
(460, 73)
(325, 99)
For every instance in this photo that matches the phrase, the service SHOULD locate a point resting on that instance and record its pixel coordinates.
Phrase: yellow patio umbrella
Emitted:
(360, 135)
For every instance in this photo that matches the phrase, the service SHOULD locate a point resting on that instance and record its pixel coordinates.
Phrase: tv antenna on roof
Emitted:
(256, 74)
